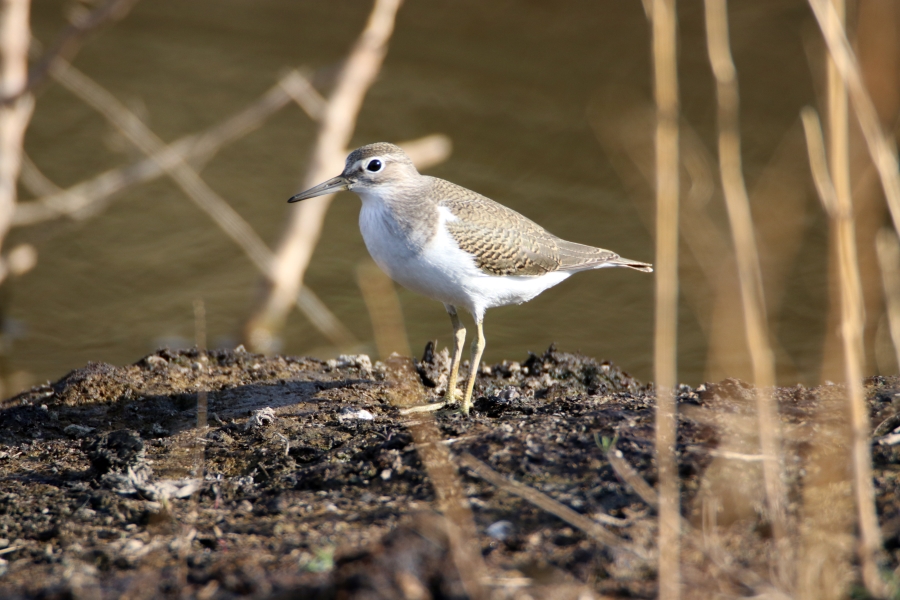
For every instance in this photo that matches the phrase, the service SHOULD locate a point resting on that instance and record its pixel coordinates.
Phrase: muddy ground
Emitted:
(310, 483)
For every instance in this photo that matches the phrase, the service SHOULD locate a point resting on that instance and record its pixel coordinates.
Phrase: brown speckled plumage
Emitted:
(504, 242)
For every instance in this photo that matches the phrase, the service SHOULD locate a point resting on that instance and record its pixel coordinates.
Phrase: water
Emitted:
(515, 85)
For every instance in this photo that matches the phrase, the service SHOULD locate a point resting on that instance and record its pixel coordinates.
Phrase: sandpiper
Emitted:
(455, 245)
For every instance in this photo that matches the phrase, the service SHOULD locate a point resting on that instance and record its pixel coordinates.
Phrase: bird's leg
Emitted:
(450, 396)
(459, 338)
(477, 350)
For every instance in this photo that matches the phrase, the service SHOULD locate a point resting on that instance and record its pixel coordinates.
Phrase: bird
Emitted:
(455, 246)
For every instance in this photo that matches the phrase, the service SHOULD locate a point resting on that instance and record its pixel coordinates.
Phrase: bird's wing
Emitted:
(578, 257)
(504, 242)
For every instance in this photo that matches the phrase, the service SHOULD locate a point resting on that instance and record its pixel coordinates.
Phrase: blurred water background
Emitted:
(527, 90)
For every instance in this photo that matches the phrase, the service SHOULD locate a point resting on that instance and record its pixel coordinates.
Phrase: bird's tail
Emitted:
(632, 264)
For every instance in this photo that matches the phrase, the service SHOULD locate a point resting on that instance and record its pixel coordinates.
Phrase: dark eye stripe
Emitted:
(374, 165)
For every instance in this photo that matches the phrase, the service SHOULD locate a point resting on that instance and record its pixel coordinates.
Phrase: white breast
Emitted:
(440, 269)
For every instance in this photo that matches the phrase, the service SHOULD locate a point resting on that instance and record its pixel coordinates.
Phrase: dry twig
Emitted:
(89, 197)
(624, 470)
(544, 502)
(337, 123)
(197, 190)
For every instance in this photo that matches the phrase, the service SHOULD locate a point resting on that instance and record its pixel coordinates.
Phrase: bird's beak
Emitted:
(337, 184)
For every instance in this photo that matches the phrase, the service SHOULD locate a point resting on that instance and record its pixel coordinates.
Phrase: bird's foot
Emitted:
(466, 405)
(450, 399)
(424, 408)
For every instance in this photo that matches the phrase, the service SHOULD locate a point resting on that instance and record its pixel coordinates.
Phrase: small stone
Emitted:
(156, 362)
(507, 395)
(501, 530)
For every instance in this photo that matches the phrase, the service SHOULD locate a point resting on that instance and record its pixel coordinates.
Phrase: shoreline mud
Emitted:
(308, 481)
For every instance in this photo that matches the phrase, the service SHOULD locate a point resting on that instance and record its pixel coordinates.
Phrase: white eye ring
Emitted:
(374, 165)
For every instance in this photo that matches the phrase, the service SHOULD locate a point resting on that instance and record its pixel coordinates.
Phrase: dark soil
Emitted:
(308, 484)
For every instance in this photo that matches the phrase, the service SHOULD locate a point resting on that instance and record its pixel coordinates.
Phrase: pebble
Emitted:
(501, 530)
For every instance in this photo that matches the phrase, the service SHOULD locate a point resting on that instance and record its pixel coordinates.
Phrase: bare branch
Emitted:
(188, 180)
(89, 197)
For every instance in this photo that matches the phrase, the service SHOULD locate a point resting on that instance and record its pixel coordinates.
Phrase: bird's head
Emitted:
(369, 170)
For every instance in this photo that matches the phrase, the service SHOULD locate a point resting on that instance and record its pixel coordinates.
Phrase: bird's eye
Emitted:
(374, 165)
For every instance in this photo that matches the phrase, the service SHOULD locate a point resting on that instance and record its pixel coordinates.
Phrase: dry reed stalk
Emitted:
(876, 40)
(666, 91)
(16, 107)
(838, 155)
(889, 260)
(544, 502)
(749, 274)
(197, 190)
(881, 148)
(707, 274)
(89, 197)
(383, 305)
(338, 121)
(840, 209)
